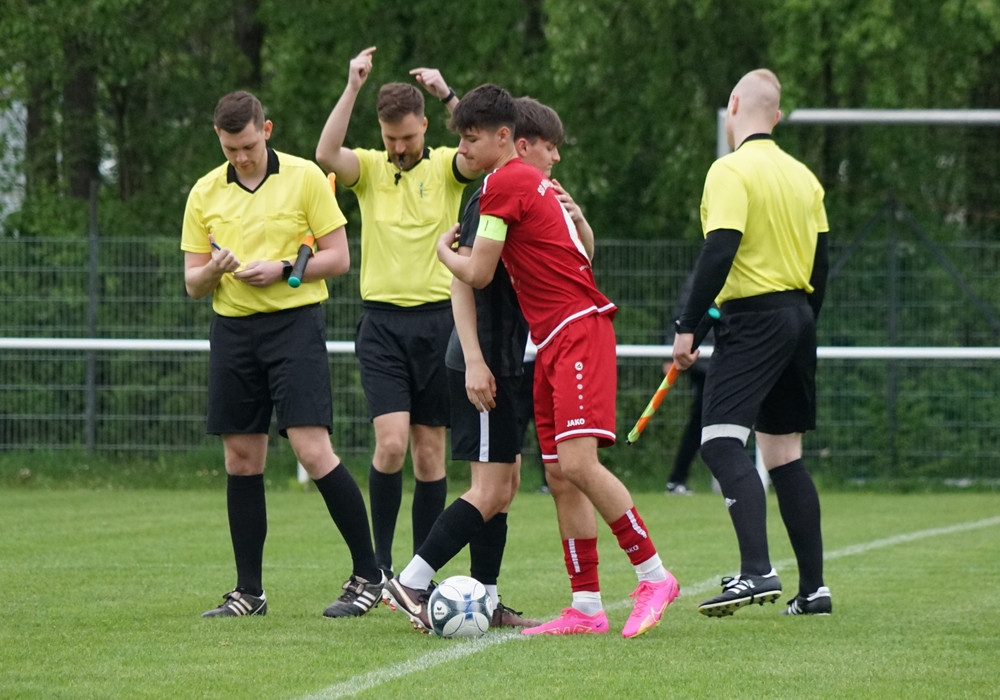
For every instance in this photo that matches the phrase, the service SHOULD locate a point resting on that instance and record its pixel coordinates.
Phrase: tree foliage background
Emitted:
(122, 91)
(115, 97)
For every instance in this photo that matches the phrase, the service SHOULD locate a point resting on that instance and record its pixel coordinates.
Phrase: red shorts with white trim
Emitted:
(576, 380)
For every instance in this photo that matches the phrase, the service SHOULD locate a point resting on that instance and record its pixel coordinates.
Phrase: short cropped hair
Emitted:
(397, 100)
(538, 121)
(237, 109)
(487, 106)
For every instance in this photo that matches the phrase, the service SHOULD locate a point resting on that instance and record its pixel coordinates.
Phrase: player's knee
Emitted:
(726, 458)
(391, 449)
(313, 458)
(489, 501)
(555, 479)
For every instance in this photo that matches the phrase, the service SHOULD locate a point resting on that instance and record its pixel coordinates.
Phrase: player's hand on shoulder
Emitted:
(569, 204)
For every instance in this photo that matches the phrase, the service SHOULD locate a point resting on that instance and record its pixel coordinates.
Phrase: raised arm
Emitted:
(330, 152)
(436, 85)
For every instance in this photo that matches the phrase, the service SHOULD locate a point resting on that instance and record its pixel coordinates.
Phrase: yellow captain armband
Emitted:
(492, 227)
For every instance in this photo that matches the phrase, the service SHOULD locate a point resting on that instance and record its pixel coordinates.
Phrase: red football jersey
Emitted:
(544, 257)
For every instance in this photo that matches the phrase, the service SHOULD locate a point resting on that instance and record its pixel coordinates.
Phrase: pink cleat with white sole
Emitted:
(651, 599)
(572, 621)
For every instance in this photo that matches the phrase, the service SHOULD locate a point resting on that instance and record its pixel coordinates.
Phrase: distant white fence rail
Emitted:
(632, 351)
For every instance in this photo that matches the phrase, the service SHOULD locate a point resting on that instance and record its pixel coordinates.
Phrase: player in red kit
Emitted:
(523, 223)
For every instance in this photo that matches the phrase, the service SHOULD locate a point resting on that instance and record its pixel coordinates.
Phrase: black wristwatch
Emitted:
(446, 99)
(287, 271)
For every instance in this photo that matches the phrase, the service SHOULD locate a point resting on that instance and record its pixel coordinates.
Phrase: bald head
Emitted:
(760, 93)
(753, 105)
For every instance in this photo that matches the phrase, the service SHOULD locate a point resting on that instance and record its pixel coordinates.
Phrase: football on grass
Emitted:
(460, 607)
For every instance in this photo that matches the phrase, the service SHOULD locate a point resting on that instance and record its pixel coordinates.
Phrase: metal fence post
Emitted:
(92, 291)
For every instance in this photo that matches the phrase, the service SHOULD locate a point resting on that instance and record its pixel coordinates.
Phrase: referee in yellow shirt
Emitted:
(765, 262)
(243, 224)
(408, 193)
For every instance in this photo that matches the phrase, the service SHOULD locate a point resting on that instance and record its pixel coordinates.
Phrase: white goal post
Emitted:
(900, 117)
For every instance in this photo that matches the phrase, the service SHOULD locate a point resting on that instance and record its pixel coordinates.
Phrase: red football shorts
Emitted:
(576, 380)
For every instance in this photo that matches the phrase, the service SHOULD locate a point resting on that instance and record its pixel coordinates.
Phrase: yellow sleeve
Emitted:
(724, 202)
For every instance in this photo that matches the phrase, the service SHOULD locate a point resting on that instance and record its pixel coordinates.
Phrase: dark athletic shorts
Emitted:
(401, 355)
(484, 437)
(763, 369)
(266, 363)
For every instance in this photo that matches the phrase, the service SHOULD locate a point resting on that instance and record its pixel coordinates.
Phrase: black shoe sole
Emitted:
(728, 607)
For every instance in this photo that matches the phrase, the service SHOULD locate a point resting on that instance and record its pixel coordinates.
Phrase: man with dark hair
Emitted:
(764, 261)
(268, 346)
(522, 220)
(407, 193)
(485, 371)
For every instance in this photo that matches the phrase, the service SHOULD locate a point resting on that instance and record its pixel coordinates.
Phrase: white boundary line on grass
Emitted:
(373, 679)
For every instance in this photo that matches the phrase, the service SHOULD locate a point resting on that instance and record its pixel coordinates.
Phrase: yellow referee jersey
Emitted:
(777, 204)
(401, 220)
(267, 224)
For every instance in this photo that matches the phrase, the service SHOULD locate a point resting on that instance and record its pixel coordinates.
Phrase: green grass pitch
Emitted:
(102, 593)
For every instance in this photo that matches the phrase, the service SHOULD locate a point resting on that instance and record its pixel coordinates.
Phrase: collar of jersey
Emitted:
(758, 137)
(272, 169)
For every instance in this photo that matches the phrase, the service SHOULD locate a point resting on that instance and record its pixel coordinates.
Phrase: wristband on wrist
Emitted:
(451, 94)
(286, 271)
(679, 328)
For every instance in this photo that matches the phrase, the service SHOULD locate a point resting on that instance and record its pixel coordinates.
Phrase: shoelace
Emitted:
(642, 593)
(504, 609)
(736, 583)
(354, 587)
(501, 607)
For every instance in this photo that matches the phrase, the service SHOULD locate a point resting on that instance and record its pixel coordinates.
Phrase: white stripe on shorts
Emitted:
(484, 436)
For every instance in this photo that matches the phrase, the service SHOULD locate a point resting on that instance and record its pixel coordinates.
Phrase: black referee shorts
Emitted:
(269, 363)
(491, 436)
(401, 356)
(763, 369)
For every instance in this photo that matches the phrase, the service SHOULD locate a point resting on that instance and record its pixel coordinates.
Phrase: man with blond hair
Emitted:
(764, 261)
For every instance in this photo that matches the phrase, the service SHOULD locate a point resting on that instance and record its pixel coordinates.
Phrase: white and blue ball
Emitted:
(460, 607)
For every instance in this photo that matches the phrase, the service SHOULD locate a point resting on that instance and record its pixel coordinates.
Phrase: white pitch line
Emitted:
(373, 679)
(853, 549)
